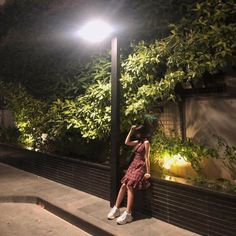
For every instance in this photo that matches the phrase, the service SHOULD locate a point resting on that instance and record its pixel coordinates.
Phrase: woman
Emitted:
(137, 175)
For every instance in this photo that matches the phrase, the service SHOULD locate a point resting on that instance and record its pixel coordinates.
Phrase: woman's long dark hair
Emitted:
(141, 133)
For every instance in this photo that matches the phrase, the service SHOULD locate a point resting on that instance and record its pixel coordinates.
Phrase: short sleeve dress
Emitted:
(135, 174)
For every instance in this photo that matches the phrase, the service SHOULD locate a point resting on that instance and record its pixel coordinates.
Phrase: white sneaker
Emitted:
(124, 218)
(114, 212)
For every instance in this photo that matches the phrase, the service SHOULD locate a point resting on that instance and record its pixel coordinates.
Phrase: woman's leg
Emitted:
(120, 195)
(130, 200)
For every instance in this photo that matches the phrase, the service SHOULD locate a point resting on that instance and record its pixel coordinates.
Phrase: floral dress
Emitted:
(135, 174)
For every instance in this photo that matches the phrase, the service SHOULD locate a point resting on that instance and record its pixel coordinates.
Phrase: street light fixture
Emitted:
(96, 31)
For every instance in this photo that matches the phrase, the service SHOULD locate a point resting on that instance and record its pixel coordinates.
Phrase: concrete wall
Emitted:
(208, 116)
(205, 116)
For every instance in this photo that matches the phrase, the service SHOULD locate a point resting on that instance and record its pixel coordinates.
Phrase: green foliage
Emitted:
(142, 81)
(202, 42)
(90, 112)
(29, 113)
(94, 119)
(172, 147)
(152, 71)
(207, 41)
(194, 48)
(229, 152)
(32, 117)
(163, 146)
(58, 119)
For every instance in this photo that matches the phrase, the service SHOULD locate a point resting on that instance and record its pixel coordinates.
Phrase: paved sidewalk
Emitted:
(79, 208)
(30, 219)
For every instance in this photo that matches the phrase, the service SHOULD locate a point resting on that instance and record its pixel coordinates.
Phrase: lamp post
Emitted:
(96, 31)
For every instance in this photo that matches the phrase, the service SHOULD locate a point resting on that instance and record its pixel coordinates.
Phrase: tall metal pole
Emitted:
(115, 119)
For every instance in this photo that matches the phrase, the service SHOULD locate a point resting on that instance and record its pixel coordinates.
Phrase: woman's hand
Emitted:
(147, 176)
(133, 127)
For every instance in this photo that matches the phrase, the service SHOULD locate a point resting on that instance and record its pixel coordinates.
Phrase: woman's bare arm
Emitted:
(147, 159)
(128, 141)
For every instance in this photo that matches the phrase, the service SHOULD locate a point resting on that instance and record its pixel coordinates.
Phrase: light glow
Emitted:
(95, 31)
(175, 160)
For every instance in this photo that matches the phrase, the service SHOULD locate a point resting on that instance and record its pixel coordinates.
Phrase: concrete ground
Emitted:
(83, 210)
(31, 219)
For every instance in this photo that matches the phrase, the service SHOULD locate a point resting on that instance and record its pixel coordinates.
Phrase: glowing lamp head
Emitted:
(95, 31)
